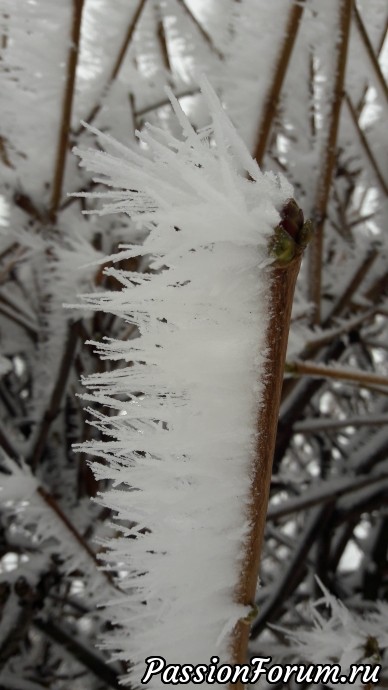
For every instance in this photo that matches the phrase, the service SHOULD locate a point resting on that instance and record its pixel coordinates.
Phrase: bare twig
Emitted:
(296, 568)
(162, 38)
(380, 47)
(327, 167)
(371, 53)
(323, 494)
(165, 101)
(78, 649)
(200, 28)
(117, 64)
(325, 372)
(353, 285)
(56, 396)
(272, 99)
(60, 162)
(365, 145)
(316, 425)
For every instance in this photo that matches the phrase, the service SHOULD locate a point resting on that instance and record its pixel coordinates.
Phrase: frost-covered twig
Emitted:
(196, 409)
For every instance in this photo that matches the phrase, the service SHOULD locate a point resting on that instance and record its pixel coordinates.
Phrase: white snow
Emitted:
(187, 396)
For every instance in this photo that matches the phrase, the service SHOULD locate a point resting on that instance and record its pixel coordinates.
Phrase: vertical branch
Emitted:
(326, 171)
(371, 53)
(56, 396)
(60, 162)
(271, 103)
(313, 126)
(280, 304)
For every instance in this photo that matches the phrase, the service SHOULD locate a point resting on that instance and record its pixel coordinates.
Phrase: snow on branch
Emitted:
(183, 405)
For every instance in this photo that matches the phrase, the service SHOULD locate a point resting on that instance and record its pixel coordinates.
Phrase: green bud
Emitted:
(252, 614)
(282, 247)
(305, 234)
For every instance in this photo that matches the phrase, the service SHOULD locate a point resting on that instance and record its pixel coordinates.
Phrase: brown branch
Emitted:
(162, 38)
(73, 645)
(365, 145)
(293, 572)
(325, 493)
(314, 345)
(55, 507)
(56, 396)
(362, 219)
(380, 47)
(327, 167)
(200, 28)
(117, 64)
(325, 372)
(67, 106)
(30, 330)
(352, 286)
(4, 157)
(7, 445)
(371, 53)
(272, 100)
(50, 501)
(165, 101)
(282, 287)
(314, 425)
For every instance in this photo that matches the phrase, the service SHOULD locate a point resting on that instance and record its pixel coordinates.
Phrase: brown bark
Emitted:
(269, 110)
(66, 108)
(283, 280)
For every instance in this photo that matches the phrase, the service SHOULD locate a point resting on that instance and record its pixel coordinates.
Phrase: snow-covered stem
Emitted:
(283, 280)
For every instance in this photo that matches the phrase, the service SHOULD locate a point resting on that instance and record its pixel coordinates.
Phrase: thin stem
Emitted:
(325, 493)
(271, 103)
(353, 285)
(280, 304)
(380, 47)
(316, 425)
(56, 396)
(371, 53)
(162, 38)
(165, 101)
(365, 145)
(55, 507)
(117, 64)
(200, 28)
(325, 372)
(79, 651)
(327, 167)
(67, 106)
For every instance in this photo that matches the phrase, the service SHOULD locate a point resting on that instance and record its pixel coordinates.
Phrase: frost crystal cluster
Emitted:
(183, 396)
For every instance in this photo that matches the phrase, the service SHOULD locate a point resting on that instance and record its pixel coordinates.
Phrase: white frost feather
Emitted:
(181, 449)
